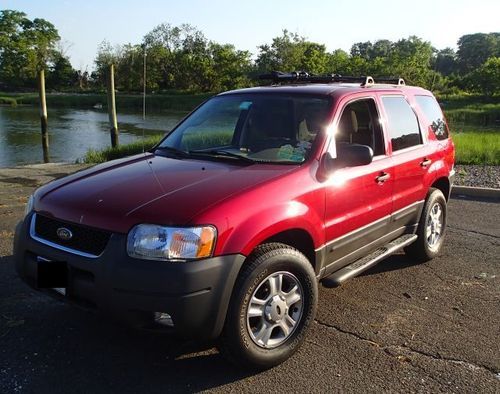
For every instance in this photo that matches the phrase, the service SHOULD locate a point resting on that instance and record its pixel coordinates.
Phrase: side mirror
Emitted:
(349, 155)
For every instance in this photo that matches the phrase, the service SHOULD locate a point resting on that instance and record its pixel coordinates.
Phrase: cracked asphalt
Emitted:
(400, 327)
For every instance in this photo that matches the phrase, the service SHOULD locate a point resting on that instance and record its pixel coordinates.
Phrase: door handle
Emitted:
(426, 162)
(382, 177)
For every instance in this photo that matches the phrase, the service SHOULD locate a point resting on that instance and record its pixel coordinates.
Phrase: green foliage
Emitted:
(61, 74)
(291, 52)
(25, 47)
(475, 49)
(486, 78)
(8, 101)
(182, 58)
(176, 58)
(409, 58)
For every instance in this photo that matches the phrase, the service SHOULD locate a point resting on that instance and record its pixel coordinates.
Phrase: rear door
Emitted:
(411, 156)
(358, 199)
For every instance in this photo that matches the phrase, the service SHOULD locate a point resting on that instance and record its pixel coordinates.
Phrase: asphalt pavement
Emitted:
(400, 327)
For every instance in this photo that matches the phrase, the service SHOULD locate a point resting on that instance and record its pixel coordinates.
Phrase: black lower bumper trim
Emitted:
(195, 294)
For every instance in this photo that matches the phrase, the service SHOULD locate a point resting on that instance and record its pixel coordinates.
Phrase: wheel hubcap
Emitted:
(275, 309)
(434, 227)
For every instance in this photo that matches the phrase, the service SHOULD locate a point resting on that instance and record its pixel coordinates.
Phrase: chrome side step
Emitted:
(357, 267)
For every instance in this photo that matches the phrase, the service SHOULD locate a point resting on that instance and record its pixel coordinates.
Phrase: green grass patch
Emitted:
(477, 147)
(189, 142)
(100, 156)
(202, 140)
(8, 101)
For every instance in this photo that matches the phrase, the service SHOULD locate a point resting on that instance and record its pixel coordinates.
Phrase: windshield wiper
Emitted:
(225, 153)
(173, 151)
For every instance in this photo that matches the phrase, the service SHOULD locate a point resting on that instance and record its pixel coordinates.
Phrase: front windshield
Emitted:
(263, 128)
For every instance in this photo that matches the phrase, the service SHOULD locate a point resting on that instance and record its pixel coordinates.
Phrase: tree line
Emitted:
(182, 58)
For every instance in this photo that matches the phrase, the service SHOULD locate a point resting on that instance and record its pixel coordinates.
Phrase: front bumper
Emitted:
(195, 294)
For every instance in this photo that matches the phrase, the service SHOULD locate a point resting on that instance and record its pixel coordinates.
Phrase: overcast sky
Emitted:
(82, 25)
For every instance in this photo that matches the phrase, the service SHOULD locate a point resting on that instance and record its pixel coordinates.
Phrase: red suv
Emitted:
(225, 228)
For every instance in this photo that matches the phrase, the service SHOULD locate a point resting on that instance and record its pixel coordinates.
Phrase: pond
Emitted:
(72, 132)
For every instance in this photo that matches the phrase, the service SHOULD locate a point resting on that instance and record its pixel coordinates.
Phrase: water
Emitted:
(72, 132)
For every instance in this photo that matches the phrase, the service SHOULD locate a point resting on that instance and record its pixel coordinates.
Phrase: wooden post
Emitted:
(144, 90)
(113, 123)
(43, 115)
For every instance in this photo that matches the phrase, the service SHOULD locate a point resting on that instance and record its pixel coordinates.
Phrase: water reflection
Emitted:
(72, 132)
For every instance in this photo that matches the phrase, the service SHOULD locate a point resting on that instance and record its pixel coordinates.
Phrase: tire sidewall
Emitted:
(435, 197)
(299, 266)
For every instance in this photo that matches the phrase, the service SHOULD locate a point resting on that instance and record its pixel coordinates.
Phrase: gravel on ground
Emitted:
(477, 176)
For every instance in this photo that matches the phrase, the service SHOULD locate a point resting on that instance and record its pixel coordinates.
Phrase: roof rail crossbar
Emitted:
(305, 77)
(391, 81)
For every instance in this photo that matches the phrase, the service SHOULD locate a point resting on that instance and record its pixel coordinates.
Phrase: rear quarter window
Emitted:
(434, 116)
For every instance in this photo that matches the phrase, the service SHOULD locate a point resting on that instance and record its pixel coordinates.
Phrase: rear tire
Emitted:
(431, 228)
(273, 304)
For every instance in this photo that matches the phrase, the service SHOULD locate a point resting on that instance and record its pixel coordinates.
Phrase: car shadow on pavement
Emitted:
(394, 262)
(56, 347)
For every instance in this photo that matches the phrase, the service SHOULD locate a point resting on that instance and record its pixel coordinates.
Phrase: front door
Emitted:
(358, 199)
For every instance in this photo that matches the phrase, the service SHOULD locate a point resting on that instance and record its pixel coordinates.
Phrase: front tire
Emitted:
(431, 228)
(273, 304)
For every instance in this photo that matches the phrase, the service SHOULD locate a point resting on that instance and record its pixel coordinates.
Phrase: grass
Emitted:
(477, 147)
(100, 156)
(8, 101)
(190, 142)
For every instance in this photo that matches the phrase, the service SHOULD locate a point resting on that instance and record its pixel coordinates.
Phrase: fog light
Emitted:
(164, 319)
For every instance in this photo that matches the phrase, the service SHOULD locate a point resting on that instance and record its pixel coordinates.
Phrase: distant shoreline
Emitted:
(171, 101)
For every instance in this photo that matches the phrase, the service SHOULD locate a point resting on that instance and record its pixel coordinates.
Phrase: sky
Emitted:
(83, 25)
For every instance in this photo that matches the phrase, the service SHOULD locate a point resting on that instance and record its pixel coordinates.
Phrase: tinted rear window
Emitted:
(434, 115)
(402, 123)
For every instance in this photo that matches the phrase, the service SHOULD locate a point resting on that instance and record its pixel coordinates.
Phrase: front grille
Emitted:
(85, 239)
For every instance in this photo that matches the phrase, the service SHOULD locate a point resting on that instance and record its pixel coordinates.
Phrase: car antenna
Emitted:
(144, 99)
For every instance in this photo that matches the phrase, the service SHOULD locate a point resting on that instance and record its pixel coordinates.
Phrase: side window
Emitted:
(402, 123)
(359, 124)
(434, 115)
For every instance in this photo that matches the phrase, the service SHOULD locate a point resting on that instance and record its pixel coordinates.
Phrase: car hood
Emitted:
(148, 189)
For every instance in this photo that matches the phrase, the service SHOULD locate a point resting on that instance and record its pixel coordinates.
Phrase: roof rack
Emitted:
(305, 77)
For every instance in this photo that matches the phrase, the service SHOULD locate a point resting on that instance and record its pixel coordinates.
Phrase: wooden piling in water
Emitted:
(43, 115)
(113, 123)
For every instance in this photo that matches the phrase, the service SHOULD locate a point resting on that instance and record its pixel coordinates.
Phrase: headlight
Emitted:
(29, 205)
(154, 242)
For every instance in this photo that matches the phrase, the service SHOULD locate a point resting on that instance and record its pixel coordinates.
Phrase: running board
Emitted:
(354, 269)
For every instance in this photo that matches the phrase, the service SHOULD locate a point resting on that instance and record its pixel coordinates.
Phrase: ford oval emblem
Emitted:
(64, 233)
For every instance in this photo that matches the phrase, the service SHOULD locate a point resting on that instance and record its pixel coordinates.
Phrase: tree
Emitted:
(475, 49)
(61, 73)
(230, 67)
(338, 62)
(445, 61)
(486, 79)
(291, 52)
(25, 47)
(411, 59)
